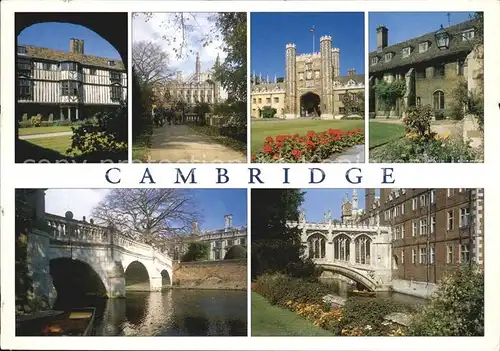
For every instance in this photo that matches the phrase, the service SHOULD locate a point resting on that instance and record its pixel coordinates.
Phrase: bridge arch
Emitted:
(316, 245)
(166, 279)
(236, 252)
(137, 276)
(74, 278)
(352, 274)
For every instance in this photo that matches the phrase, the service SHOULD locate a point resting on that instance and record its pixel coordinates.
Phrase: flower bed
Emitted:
(420, 145)
(312, 147)
(358, 317)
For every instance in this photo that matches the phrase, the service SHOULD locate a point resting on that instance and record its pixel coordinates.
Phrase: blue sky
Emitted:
(216, 203)
(407, 25)
(213, 204)
(54, 35)
(317, 201)
(270, 32)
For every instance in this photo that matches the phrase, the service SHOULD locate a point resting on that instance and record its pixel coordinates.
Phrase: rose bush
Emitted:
(312, 148)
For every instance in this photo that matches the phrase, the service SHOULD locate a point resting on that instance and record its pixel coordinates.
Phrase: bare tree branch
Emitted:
(150, 63)
(148, 215)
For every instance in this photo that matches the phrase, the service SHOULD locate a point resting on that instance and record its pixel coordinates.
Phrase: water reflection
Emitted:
(171, 313)
(342, 288)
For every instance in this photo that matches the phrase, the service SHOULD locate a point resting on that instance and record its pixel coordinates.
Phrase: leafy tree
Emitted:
(142, 121)
(280, 79)
(354, 103)
(197, 251)
(148, 215)
(457, 309)
(232, 73)
(276, 247)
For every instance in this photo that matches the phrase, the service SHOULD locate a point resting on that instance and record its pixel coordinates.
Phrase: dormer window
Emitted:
(111, 63)
(468, 35)
(423, 47)
(21, 50)
(351, 83)
(388, 56)
(374, 60)
(406, 51)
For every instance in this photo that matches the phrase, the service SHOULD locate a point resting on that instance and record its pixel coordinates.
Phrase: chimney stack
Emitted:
(382, 32)
(179, 76)
(76, 46)
(228, 222)
(195, 227)
(351, 72)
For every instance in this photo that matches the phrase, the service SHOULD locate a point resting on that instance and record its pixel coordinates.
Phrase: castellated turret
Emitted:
(290, 76)
(325, 44)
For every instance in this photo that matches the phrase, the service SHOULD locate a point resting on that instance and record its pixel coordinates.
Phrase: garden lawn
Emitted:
(261, 130)
(58, 143)
(383, 132)
(44, 130)
(268, 320)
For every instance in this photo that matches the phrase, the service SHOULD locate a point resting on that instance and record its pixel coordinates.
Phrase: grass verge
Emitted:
(43, 130)
(268, 320)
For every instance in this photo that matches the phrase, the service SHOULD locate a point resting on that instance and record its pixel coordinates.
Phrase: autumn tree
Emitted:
(147, 215)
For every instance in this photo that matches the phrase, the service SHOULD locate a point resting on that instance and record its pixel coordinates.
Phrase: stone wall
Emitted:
(414, 288)
(224, 274)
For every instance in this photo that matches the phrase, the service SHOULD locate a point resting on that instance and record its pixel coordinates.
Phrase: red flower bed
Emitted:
(312, 147)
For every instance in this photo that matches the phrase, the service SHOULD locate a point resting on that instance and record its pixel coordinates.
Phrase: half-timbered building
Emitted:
(68, 85)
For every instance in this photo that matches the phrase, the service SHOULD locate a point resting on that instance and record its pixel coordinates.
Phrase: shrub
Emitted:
(36, 121)
(418, 120)
(102, 133)
(268, 112)
(416, 150)
(439, 115)
(359, 311)
(457, 309)
(312, 147)
(389, 93)
(196, 252)
(279, 289)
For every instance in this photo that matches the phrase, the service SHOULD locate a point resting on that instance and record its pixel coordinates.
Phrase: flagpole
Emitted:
(314, 33)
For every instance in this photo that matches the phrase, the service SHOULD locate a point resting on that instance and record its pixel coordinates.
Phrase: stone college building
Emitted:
(312, 86)
(431, 66)
(67, 85)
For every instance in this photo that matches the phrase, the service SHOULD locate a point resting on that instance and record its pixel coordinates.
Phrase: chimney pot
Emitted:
(382, 37)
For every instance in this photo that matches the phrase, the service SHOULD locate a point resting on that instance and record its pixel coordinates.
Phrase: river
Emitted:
(175, 312)
(341, 288)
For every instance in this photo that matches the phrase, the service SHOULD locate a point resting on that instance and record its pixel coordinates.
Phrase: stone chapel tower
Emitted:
(291, 85)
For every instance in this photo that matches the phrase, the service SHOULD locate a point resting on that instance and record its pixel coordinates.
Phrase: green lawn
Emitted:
(261, 130)
(381, 133)
(44, 130)
(58, 143)
(268, 320)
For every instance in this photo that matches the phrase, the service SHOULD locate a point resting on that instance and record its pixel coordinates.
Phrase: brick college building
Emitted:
(434, 231)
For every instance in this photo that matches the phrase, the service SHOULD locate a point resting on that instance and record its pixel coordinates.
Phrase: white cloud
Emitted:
(162, 25)
(79, 201)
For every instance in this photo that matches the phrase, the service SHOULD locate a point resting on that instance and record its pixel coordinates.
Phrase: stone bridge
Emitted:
(358, 252)
(68, 257)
